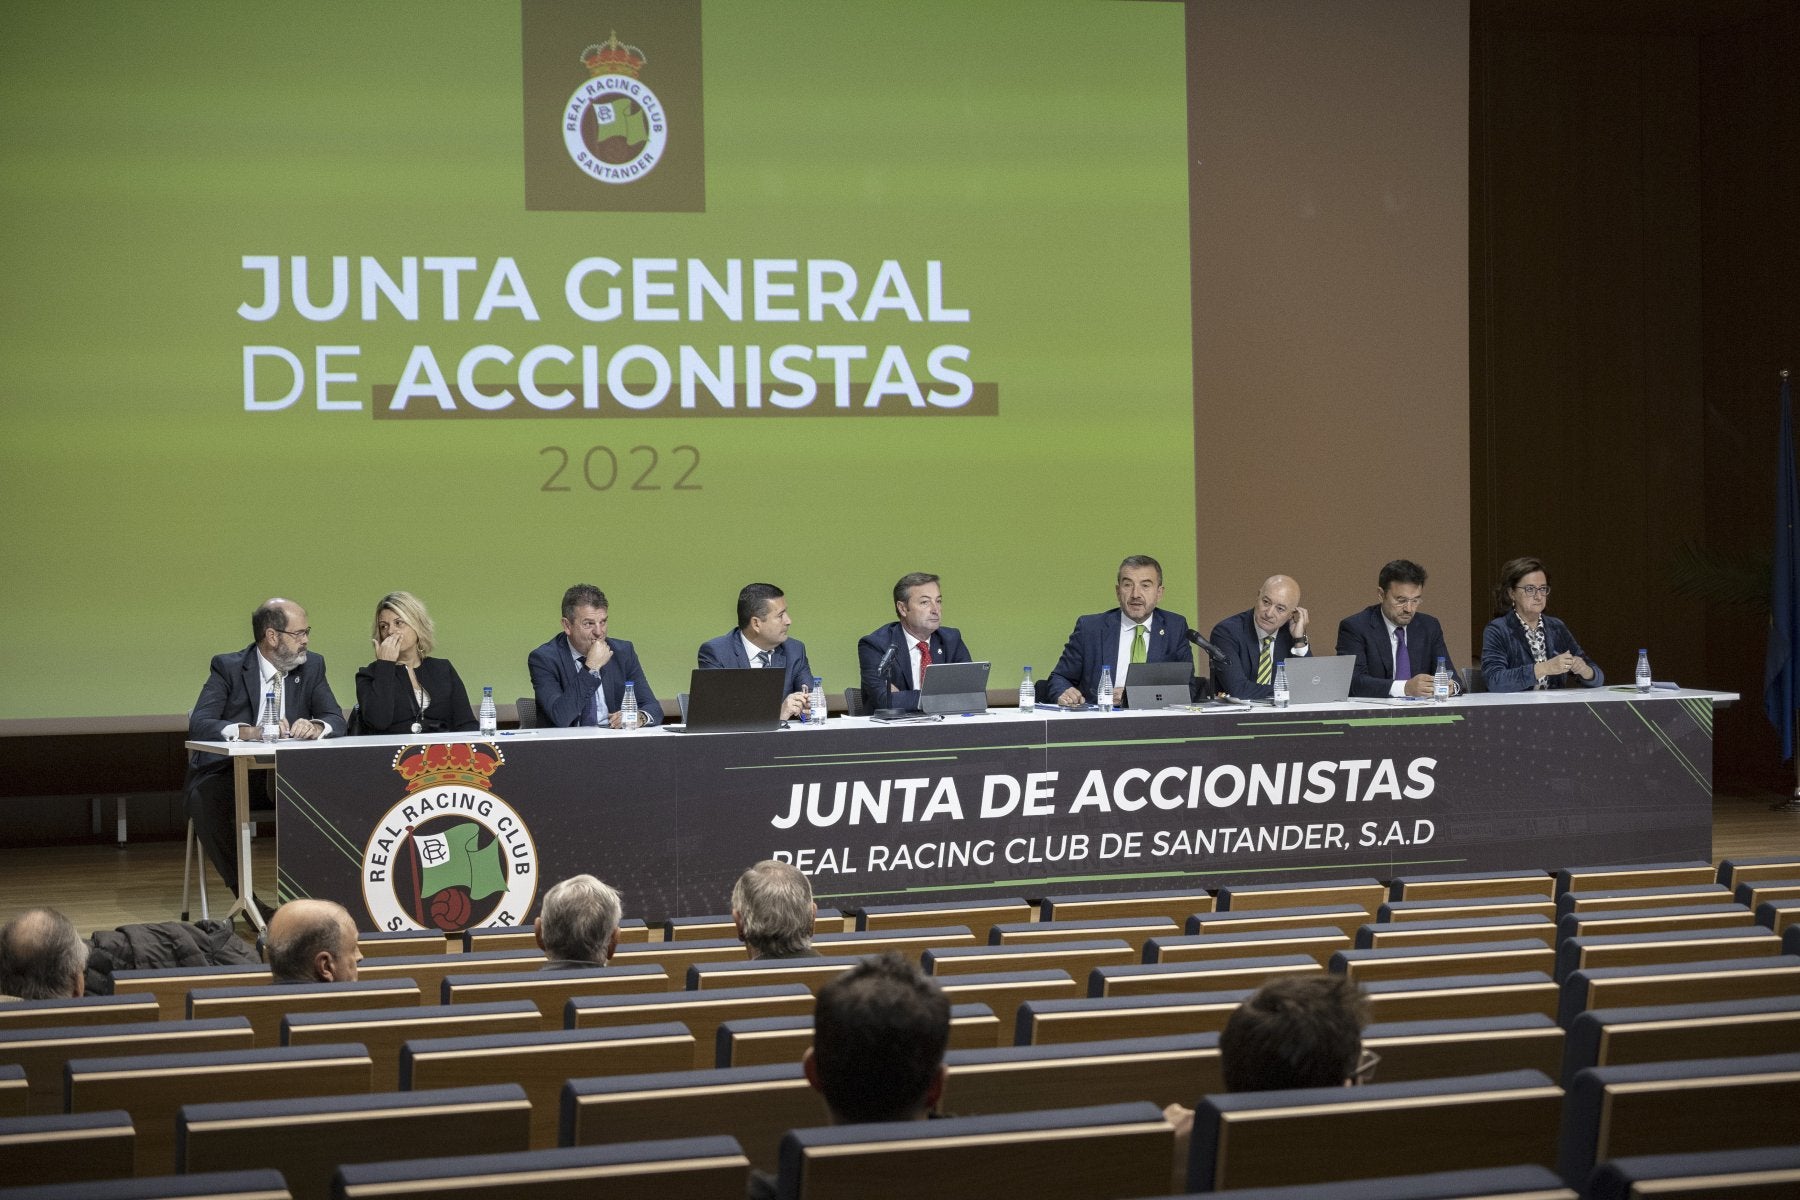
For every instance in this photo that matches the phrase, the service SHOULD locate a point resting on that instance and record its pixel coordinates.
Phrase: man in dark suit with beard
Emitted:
(1396, 646)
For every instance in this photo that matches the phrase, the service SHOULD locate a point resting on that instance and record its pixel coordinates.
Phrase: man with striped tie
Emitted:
(1256, 639)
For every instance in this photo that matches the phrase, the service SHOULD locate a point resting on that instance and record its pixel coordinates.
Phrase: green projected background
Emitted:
(151, 156)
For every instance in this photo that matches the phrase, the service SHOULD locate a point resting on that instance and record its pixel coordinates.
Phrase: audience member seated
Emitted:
(42, 957)
(772, 907)
(579, 924)
(879, 1034)
(313, 941)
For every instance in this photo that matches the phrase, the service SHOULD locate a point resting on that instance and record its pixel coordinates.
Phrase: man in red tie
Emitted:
(894, 658)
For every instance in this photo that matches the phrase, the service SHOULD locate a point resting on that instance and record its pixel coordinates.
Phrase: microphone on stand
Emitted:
(1212, 651)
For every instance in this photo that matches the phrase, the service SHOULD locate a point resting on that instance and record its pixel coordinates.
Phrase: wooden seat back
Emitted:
(709, 1168)
(1076, 957)
(758, 1041)
(909, 942)
(42, 1053)
(1618, 1037)
(65, 1148)
(1459, 908)
(381, 1031)
(1133, 931)
(1644, 949)
(171, 985)
(1653, 920)
(754, 1105)
(1318, 941)
(1473, 885)
(810, 973)
(1387, 935)
(524, 937)
(1099, 1018)
(1678, 983)
(264, 1007)
(428, 971)
(674, 958)
(1753, 893)
(1633, 875)
(1778, 916)
(399, 943)
(1346, 918)
(550, 991)
(1366, 894)
(1162, 1070)
(1451, 997)
(1744, 869)
(1767, 1171)
(1004, 991)
(1176, 905)
(1207, 975)
(14, 1090)
(1614, 899)
(701, 1012)
(1457, 958)
(1471, 1046)
(979, 916)
(80, 1010)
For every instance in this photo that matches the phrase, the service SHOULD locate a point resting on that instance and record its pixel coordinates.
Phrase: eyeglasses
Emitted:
(294, 633)
(1535, 589)
(1366, 1063)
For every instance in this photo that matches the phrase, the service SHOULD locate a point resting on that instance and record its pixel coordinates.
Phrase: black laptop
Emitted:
(1158, 685)
(954, 688)
(733, 700)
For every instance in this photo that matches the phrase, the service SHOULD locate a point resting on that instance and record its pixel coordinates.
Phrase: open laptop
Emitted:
(1158, 685)
(1317, 679)
(954, 688)
(732, 700)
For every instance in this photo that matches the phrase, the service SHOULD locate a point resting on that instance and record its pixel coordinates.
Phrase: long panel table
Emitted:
(455, 831)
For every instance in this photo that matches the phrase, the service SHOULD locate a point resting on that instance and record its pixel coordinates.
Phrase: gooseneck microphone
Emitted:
(1212, 651)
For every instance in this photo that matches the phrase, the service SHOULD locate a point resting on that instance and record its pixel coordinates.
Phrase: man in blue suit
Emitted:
(579, 676)
(1257, 638)
(893, 658)
(1396, 646)
(761, 640)
(1136, 631)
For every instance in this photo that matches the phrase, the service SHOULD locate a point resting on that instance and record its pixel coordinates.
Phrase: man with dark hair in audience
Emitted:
(761, 640)
(313, 941)
(578, 926)
(772, 907)
(42, 957)
(879, 1033)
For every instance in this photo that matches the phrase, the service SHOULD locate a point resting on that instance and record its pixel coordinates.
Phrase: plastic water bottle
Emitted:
(818, 702)
(1280, 685)
(628, 709)
(1027, 693)
(490, 720)
(271, 718)
(1643, 671)
(1440, 682)
(1104, 699)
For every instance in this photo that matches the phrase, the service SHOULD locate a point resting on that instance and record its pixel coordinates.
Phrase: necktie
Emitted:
(764, 658)
(1137, 644)
(590, 711)
(1265, 662)
(1402, 660)
(924, 660)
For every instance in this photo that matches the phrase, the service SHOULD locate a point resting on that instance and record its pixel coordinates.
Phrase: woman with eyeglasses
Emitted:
(1524, 650)
(404, 690)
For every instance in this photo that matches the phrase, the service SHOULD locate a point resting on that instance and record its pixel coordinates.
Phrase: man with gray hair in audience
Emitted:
(578, 926)
(42, 957)
(772, 907)
(313, 941)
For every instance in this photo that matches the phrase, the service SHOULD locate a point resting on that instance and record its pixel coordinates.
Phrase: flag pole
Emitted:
(1792, 803)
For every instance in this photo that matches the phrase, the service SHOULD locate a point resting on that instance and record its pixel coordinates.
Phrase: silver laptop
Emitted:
(1319, 678)
(954, 688)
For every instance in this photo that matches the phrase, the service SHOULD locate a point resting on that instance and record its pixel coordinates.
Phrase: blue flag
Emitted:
(1781, 682)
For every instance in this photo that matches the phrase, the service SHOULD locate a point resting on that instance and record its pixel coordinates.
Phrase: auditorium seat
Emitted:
(1004, 991)
(1346, 918)
(1614, 899)
(1753, 893)
(1778, 915)
(80, 1010)
(1617, 1037)
(1457, 958)
(909, 943)
(1387, 935)
(1077, 957)
(1097, 1018)
(1472, 885)
(1642, 949)
(701, 1012)
(499, 937)
(1468, 1046)
(550, 990)
(811, 973)
(1654, 920)
(1525, 904)
(1061, 1154)
(721, 925)
(1452, 996)
(152, 1088)
(171, 985)
(1177, 905)
(1162, 1070)
(1317, 1135)
(14, 1090)
(212, 1185)
(401, 942)
(66, 1147)
(757, 1041)
(1677, 1107)
(1366, 894)
(1134, 931)
(541, 1062)
(264, 1007)
(430, 970)
(42, 1053)
(703, 1168)
(1318, 941)
(1634, 875)
(979, 915)
(1761, 1173)
(1206, 975)
(382, 1030)
(1677, 983)
(1733, 871)
(308, 1139)
(755, 1105)
(1485, 1183)
(676, 957)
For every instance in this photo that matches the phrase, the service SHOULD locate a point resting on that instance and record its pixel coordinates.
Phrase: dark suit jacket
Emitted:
(232, 695)
(562, 689)
(728, 651)
(897, 688)
(1094, 644)
(385, 702)
(1506, 660)
(1365, 635)
(1238, 639)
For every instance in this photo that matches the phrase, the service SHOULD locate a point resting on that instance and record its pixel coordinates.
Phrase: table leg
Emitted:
(240, 778)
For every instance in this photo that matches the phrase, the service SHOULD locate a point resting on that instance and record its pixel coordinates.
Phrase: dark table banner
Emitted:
(452, 835)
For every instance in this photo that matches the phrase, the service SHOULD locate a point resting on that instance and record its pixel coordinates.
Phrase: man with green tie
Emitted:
(1138, 631)
(1253, 641)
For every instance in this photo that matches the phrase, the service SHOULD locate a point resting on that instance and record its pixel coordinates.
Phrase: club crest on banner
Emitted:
(614, 126)
(450, 855)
